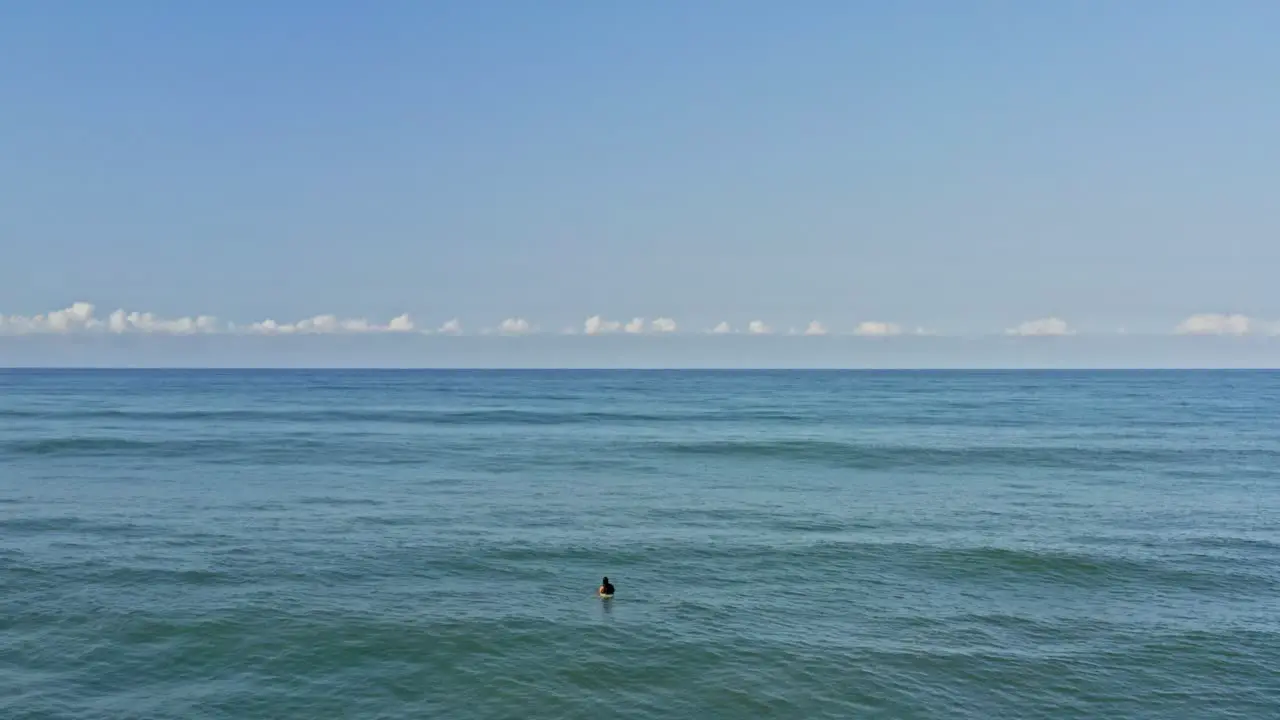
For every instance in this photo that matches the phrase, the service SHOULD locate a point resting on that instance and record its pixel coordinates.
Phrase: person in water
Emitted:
(606, 588)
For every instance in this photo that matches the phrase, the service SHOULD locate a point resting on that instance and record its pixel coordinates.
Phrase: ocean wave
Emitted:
(492, 416)
(72, 524)
(314, 449)
(868, 456)
(118, 446)
(1235, 545)
(990, 564)
(352, 446)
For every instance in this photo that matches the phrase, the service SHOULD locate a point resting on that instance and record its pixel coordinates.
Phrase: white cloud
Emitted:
(663, 325)
(1042, 327)
(118, 322)
(358, 326)
(330, 325)
(270, 326)
(401, 323)
(875, 328)
(815, 328)
(180, 326)
(79, 317)
(1221, 324)
(514, 326)
(596, 325)
(321, 324)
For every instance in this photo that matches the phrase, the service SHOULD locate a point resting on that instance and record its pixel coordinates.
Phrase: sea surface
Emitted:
(426, 544)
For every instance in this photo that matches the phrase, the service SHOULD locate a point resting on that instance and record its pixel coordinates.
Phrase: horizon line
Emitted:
(598, 369)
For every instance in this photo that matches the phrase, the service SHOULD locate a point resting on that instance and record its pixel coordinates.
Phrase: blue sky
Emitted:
(958, 167)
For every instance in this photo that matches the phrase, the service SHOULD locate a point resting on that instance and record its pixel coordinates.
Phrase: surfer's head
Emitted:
(605, 581)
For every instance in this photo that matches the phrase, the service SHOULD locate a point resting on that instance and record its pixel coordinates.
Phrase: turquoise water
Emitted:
(306, 544)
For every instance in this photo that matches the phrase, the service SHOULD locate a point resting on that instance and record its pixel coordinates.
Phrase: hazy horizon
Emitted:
(641, 352)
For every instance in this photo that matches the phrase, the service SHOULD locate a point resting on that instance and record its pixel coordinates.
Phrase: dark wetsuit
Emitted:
(606, 589)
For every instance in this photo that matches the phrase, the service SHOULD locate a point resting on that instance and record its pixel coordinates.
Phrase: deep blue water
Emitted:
(383, 544)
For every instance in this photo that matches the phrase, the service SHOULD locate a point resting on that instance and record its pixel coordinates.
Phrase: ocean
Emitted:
(426, 544)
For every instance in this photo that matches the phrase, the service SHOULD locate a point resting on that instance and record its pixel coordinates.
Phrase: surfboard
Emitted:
(605, 597)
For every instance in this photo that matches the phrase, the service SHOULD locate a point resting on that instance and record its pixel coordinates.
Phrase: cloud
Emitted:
(83, 317)
(401, 323)
(664, 325)
(514, 326)
(638, 325)
(815, 328)
(1221, 324)
(330, 325)
(596, 325)
(1042, 327)
(80, 317)
(270, 326)
(120, 322)
(875, 328)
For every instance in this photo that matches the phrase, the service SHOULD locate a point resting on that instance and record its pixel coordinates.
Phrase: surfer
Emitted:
(606, 588)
